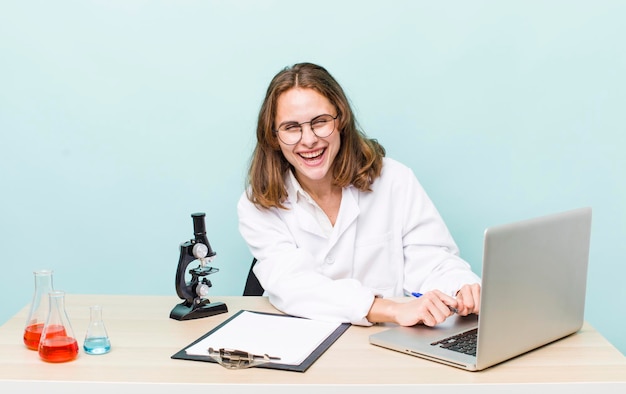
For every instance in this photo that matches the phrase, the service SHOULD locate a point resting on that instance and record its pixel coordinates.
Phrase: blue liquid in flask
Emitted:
(97, 345)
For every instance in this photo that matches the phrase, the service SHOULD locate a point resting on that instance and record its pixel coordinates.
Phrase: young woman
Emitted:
(336, 227)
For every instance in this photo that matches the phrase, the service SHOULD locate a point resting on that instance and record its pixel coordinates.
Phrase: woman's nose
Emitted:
(308, 135)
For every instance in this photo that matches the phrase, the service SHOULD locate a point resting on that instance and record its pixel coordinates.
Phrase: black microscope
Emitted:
(194, 293)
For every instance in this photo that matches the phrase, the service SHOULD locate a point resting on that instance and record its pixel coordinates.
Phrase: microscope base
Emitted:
(184, 312)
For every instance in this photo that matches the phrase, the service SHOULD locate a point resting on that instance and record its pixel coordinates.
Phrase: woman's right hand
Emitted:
(429, 309)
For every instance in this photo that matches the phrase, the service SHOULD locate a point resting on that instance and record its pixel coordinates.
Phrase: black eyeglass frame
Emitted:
(310, 122)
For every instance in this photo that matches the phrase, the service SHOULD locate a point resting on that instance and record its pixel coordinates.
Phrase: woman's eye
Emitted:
(291, 127)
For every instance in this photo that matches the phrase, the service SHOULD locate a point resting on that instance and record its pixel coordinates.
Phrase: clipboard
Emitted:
(302, 367)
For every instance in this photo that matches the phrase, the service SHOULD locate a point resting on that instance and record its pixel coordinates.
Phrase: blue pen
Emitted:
(418, 295)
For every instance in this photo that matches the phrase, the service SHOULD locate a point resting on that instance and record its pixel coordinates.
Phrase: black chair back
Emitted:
(253, 287)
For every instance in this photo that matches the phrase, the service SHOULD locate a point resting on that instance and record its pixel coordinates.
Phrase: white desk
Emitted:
(144, 338)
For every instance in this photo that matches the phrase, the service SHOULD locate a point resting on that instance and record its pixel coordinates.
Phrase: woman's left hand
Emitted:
(468, 299)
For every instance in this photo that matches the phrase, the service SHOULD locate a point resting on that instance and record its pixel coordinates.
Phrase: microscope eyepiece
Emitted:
(198, 223)
(199, 231)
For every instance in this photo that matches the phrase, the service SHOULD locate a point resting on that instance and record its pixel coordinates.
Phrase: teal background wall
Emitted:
(120, 118)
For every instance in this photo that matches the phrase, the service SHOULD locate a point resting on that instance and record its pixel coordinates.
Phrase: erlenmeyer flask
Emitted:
(96, 340)
(58, 343)
(39, 308)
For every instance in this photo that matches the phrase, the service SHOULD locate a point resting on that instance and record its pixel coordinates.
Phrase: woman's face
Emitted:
(312, 157)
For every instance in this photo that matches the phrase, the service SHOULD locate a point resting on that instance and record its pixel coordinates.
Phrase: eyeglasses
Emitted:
(290, 133)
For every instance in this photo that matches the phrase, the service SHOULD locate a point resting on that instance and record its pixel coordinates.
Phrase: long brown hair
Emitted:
(358, 162)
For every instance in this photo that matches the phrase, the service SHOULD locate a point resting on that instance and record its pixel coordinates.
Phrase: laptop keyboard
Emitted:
(464, 342)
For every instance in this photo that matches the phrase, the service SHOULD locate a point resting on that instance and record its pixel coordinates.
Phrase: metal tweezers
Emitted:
(236, 359)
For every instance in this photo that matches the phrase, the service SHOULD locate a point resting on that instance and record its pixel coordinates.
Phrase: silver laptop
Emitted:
(533, 292)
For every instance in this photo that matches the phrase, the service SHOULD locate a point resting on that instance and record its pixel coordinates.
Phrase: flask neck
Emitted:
(39, 306)
(57, 302)
(95, 313)
(43, 282)
(57, 316)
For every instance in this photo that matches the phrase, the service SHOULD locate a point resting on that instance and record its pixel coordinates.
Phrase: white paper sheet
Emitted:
(291, 339)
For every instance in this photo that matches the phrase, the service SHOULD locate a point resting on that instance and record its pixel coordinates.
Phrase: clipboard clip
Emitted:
(239, 359)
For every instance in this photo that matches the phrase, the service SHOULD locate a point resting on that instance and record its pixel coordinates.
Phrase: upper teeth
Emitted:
(310, 155)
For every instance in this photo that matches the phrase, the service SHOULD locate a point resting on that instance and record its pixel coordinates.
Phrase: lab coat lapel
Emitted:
(307, 222)
(348, 213)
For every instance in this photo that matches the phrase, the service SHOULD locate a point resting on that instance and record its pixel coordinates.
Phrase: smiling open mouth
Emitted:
(312, 155)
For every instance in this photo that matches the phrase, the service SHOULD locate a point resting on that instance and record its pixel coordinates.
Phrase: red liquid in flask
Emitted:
(32, 334)
(58, 349)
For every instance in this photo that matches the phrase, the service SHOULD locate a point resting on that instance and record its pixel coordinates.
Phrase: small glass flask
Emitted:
(96, 340)
(39, 309)
(58, 343)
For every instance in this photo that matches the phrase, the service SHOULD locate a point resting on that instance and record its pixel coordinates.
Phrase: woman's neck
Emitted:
(325, 194)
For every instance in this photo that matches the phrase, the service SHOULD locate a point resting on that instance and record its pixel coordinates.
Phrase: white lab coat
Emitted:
(387, 242)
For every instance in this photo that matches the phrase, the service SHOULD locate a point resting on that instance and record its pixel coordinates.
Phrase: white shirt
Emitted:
(388, 242)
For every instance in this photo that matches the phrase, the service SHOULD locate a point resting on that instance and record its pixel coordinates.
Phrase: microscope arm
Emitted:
(184, 292)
